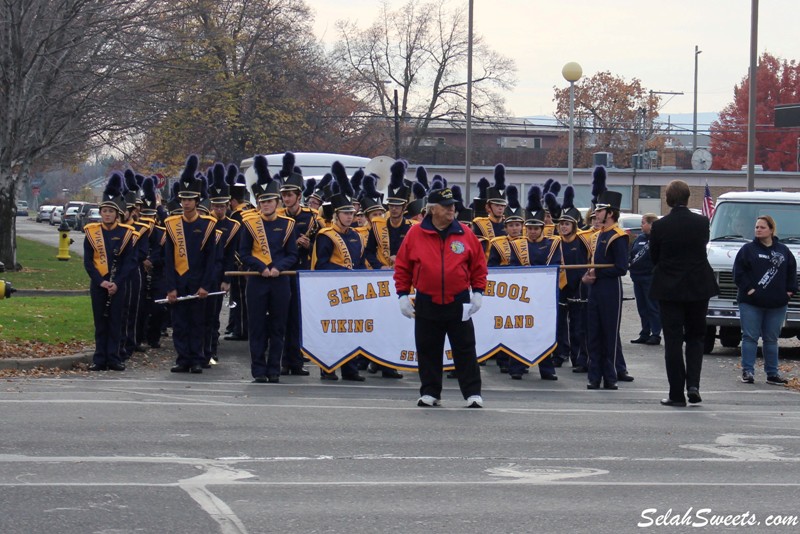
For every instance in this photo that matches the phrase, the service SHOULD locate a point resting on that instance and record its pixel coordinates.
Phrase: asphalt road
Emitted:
(147, 451)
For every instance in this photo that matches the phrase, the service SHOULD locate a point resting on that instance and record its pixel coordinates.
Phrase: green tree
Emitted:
(777, 82)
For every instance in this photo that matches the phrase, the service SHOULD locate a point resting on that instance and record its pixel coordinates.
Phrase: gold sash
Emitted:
(502, 245)
(380, 227)
(485, 226)
(341, 254)
(174, 227)
(260, 248)
(94, 232)
(520, 247)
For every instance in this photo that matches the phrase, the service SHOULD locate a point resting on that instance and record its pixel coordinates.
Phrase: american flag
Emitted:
(708, 203)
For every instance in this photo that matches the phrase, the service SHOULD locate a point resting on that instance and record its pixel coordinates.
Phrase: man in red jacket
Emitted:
(445, 264)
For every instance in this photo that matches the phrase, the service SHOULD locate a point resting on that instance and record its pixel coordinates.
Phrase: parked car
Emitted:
(71, 217)
(44, 213)
(92, 217)
(22, 208)
(83, 213)
(632, 224)
(55, 215)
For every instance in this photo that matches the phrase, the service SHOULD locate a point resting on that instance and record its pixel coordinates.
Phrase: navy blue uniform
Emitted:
(641, 269)
(108, 252)
(227, 242)
(156, 284)
(134, 296)
(571, 331)
(267, 297)
(189, 256)
(237, 320)
(605, 306)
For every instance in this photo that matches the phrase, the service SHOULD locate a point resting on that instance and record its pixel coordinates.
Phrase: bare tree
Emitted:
(67, 68)
(421, 50)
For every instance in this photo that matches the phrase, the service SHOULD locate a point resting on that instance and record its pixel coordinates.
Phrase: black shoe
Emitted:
(273, 379)
(503, 369)
(694, 395)
(139, 348)
(624, 377)
(285, 371)
(98, 367)
(353, 378)
(329, 376)
(391, 373)
(558, 362)
(234, 337)
(653, 340)
(580, 369)
(302, 371)
(641, 339)
(516, 376)
(260, 380)
(196, 369)
(372, 368)
(593, 385)
(675, 404)
(610, 385)
(548, 376)
(116, 366)
(180, 369)
(451, 374)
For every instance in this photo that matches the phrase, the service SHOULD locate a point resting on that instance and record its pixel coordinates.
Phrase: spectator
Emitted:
(765, 272)
(641, 270)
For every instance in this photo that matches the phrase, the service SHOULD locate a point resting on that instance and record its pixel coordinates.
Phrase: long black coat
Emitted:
(678, 250)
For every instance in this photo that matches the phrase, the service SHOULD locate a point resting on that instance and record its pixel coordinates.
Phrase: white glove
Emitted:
(475, 303)
(406, 307)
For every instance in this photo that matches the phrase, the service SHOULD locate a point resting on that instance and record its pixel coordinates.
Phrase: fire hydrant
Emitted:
(5, 290)
(64, 241)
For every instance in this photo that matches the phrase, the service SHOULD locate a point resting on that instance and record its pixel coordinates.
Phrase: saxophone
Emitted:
(112, 273)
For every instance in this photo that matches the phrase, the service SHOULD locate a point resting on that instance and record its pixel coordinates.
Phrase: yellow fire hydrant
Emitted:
(5, 290)
(64, 241)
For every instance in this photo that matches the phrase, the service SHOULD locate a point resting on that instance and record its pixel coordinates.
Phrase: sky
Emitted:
(652, 40)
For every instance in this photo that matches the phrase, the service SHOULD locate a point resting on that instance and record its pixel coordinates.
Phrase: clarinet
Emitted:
(111, 275)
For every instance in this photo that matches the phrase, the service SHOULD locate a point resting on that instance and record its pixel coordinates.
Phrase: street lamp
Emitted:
(571, 72)
(697, 52)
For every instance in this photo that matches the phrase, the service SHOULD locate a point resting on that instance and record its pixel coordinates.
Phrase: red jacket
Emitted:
(440, 268)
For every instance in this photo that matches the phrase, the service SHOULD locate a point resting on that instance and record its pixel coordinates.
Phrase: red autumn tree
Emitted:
(778, 82)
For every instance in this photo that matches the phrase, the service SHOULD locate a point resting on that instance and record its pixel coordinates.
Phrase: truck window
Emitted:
(733, 218)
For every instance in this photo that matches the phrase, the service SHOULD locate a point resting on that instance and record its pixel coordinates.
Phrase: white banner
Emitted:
(347, 314)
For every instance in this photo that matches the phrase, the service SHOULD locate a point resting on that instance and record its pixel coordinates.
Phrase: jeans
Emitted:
(647, 307)
(764, 323)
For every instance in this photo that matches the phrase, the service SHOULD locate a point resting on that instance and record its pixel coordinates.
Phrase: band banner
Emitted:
(352, 313)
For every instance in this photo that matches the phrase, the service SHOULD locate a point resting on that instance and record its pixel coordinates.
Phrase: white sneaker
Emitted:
(475, 401)
(428, 401)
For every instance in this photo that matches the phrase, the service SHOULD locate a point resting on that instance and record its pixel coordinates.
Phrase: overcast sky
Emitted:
(646, 39)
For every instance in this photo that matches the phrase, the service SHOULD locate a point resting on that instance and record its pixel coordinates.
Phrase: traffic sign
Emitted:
(35, 191)
(162, 181)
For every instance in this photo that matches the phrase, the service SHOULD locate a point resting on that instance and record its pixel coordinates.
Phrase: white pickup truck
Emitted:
(732, 226)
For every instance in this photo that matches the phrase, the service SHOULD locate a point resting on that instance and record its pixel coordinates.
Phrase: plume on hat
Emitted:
(204, 187)
(130, 181)
(546, 186)
(368, 187)
(569, 198)
(325, 182)
(262, 170)
(176, 186)
(552, 205)
(192, 162)
(357, 181)
(422, 177)
(397, 172)
(311, 183)
(534, 199)
(139, 180)
(512, 195)
(340, 175)
(483, 187)
(419, 190)
(114, 186)
(500, 176)
(149, 189)
(598, 182)
(458, 196)
(230, 176)
(437, 183)
(288, 165)
(555, 187)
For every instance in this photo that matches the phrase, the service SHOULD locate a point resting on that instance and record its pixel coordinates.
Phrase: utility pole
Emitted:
(697, 52)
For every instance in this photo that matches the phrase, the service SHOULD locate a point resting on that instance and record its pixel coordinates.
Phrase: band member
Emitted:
(535, 249)
(491, 226)
(387, 234)
(153, 264)
(446, 265)
(219, 199)
(190, 253)
(339, 247)
(551, 218)
(108, 258)
(306, 225)
(575, 248)
(500, 253)
(268, 246)
(605, 292)
(237, 321)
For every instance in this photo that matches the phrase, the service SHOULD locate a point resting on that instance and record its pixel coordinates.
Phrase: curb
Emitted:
(60, 362)
(50, 292)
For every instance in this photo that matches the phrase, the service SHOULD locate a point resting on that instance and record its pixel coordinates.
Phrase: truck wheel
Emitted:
(708, 342)
(730, 336)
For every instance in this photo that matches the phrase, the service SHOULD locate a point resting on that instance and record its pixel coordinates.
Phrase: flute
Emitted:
(189, 297)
